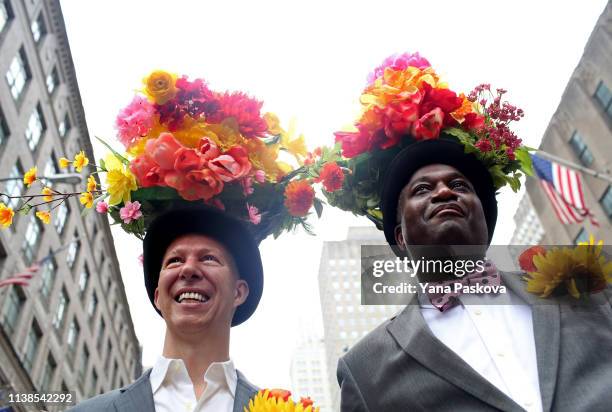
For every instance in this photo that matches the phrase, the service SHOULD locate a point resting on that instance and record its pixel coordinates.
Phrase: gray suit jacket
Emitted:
(401, 366)
(139, 397)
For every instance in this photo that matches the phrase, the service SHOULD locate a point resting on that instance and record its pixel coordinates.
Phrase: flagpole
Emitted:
(594, 173)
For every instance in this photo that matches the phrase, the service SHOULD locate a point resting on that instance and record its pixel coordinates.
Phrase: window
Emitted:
(93, 304)
(62, 307)
(114, 373)
(49, 270)
(50, 170)
(582, 236)
(48, 372)
(15, 186)
(52, 80)
(84, 361)
(73, 335)
(6, 14)
(4, 129)
(34, 336)
(83, 279)
(73, 250)
(31, 242)
(606, 202)
(64, 127)
(101, 333)
(604, 97)
(59, 221)
(18, 74)
(36, 128)
(14, 305)
(94, 382)
(38, 28)
(581, 149)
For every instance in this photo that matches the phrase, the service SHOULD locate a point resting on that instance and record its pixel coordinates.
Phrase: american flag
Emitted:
(563, 187)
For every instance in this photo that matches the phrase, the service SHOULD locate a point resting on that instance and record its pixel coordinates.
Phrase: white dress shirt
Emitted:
(495, 339)
(173, 390)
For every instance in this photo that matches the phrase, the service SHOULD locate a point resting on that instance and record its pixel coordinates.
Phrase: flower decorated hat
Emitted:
(409, 119)
(194, 160)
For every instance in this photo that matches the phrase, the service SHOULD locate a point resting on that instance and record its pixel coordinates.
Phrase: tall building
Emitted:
(345, 320)
(581, 131)
(528, 230)
(309, 375)
(71, 328)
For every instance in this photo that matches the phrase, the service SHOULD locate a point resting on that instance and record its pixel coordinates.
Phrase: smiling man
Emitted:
(203, 275)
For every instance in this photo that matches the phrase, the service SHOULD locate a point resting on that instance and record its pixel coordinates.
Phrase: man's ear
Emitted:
(241, 292)
(399, 237)
(155, 299)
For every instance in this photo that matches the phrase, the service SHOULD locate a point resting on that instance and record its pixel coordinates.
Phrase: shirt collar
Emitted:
(220, 373)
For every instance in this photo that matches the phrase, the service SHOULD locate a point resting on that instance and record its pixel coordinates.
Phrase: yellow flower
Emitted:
(580, 270)
(91, 183)
(87, 199)
(160, 86)
(297, 147)
(225, 134)
(273, 124)
(80, 161)
(64, 163)
(119, 180)
(48, 194)
(30, 177)
(44, 216)
(263, 157)
(265, 402)
(6, 215)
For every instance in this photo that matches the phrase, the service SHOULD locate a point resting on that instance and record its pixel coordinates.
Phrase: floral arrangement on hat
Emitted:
(405, 100)
(577, 271)
(279, 400)
(184, 142)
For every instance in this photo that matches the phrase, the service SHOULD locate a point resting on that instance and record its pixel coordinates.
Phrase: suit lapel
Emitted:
(244, 392)
(546, 333)
(137, 396)
(411, 332)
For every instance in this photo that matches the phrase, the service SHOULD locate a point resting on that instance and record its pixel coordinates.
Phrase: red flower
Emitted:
(231, 165)
(163, 150)
(208, 149)
(526, 258)
(429, 125)
(353, 143)
(187, 160)
(193, 98)
(201, 184)
(299, 196)
(445, 99)
(398, 119)
(473, 121)
(143, 168)
(279, 394)
(332, 177)
(484, 145)
(245, 110)
(306, 402)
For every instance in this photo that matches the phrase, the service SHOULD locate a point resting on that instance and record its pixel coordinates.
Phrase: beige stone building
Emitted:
(71, 328)
(581, 131)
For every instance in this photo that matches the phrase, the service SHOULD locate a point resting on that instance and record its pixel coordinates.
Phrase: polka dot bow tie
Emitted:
(444, 301)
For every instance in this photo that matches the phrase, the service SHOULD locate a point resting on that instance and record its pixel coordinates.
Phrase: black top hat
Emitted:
(229, 231)
(444, 150)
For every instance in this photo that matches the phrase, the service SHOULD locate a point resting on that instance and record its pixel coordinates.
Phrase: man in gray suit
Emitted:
(444, 355)
(203, 275)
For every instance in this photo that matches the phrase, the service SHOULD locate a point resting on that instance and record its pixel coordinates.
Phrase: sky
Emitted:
(309, 60)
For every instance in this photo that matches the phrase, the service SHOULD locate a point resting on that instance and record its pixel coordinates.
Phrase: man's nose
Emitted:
(190, 270)
(442, 193)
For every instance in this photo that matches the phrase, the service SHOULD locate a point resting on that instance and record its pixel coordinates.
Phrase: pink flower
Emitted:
(399, 62)
(146, 171)
(231, 165)
(429, 125)
(200, 184)
(254, 215)
(208, 149)
(134, 121)
(247, 185)
(102, 207)
(188, 160)
(141, 259)
(260, 176)
(129, 212)
(163, 150)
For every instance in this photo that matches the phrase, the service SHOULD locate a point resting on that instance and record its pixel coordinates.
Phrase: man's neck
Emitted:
(198, 352)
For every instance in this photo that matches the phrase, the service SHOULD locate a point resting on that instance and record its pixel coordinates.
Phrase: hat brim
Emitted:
(443, 151)
(216, 224)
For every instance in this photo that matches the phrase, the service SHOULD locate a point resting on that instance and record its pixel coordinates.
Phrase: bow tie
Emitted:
(446, 300)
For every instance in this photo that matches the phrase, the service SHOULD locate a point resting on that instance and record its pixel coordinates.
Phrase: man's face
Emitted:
(198, 286)
(439, 206)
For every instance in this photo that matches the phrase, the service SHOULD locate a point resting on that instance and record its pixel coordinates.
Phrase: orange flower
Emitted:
(48, 194)
(44, 216)
(332, 177)
(160, 86)
(30, 177)
(526, 258)
(279, 394)
(466, 107)
(299, 196)
(6, 215)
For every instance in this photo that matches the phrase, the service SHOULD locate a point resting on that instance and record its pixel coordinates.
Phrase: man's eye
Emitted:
(459, 184)
(172, 260)
(210, 258)
(420, 189)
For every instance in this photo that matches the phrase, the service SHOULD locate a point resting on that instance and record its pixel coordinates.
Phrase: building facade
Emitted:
(581, 132)
(529, 229)
(345, 320)
(71, 328)
(309, 376)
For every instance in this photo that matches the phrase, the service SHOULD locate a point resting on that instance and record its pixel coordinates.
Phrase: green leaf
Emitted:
(522, 155)
(155, 193)
(117, 155)
(25, 209)
(102, 164)
(318, 205)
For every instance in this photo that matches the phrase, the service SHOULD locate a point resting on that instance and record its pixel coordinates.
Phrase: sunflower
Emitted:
(279, 401)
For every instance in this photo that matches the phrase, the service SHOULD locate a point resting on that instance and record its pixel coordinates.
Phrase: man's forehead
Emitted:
(195, 241)
(435, 171)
